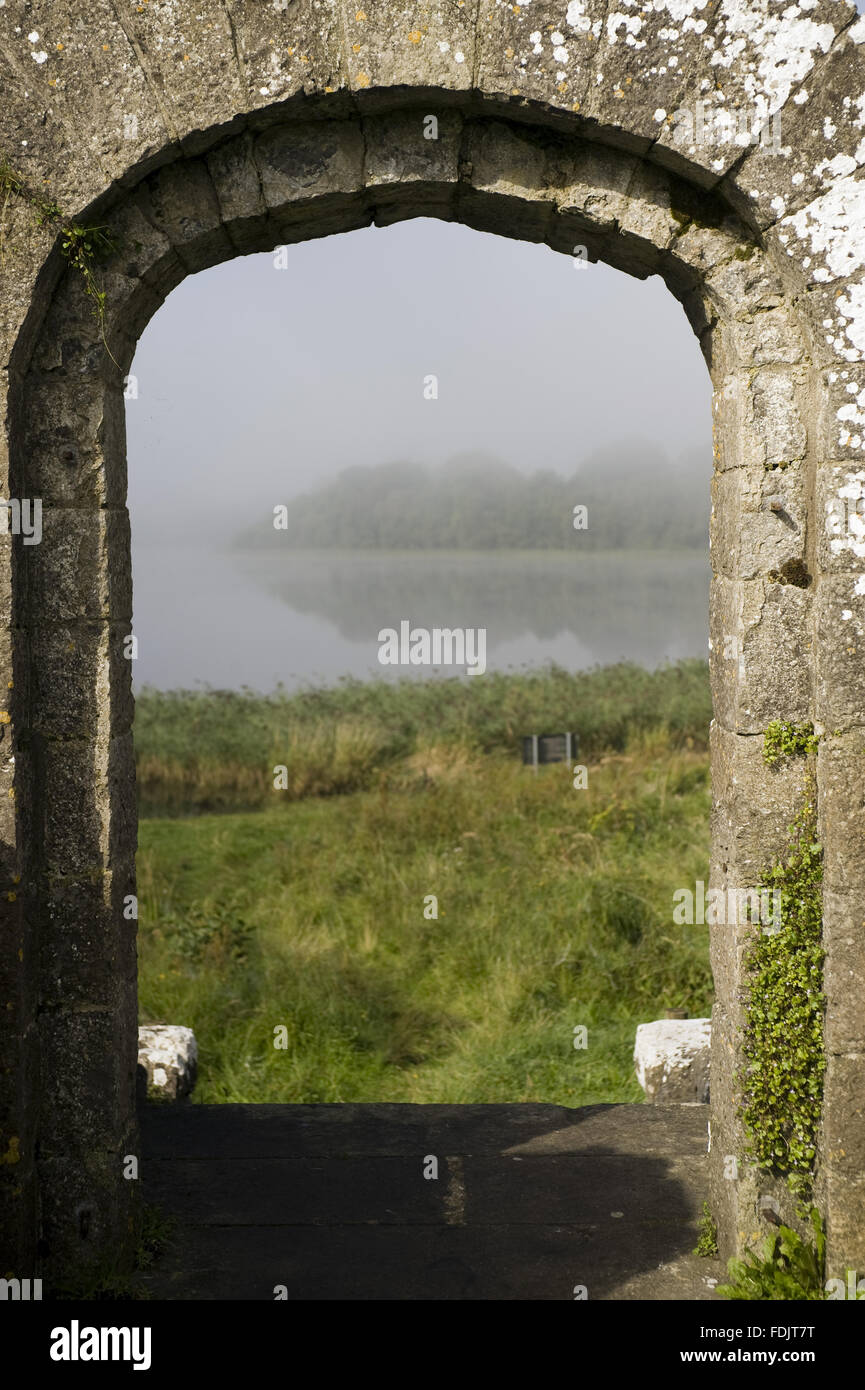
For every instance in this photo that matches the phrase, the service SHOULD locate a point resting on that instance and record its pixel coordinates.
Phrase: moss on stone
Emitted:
(792, 572)
(782, 740)
(782, 1081)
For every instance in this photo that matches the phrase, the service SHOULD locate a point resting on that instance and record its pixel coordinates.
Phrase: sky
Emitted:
(255, 382)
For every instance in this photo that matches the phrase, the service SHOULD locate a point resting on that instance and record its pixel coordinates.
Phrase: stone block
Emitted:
(81, 568)
(743, 287)
(302, 162)
(840, 633)
(87, 945)
(840, 521)
(169, 1055)
(760, 653)
(85, 1081)
(845, 1245)
(844, 1113)
(532, 52)
(820, 138)
(76, 441)
(758, 524)
(408, 45)
(73, 664)
(671, 1057)
(405, 169)
(291, 55)
(90, 817)
(844, 971)
(841, 779)
(180, 202)
(753, 806)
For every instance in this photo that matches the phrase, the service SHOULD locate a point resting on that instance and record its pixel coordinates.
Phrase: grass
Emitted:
(216, 750)
(554, 904)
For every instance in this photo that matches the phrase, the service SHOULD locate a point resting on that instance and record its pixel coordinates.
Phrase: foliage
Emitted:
(784, 740)
(481, 503)
(214, 930)
(216, 750)
(708, 1242)
(782, 1082)
(790, 1268)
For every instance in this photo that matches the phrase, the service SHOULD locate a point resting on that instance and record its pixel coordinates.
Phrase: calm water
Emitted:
(229, 618)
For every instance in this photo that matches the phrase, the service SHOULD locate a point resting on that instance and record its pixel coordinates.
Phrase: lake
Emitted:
(211, 615)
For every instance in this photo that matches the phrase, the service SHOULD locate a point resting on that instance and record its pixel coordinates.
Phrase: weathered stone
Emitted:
(408, 45)
(180, 202)
(68, 443)
(843, 1193)
(169, 1055)
(841, 517)
(753, 806)
(73, 661)
(842, 413)
(758, 524)
(90, 776)
(840, 612)
(405, 157)
(844, 972)
(815, 138)
(88, 958)
(760, 654)
(844, 1114)
(841, 773)
(80, 569)
(671, 1057)
(192, 136)
(290, 53)
(296, 163)
(540, 51)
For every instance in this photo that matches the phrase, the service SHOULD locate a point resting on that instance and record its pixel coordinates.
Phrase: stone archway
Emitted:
(257, 126)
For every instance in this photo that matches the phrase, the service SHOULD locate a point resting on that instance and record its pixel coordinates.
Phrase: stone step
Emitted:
(269, 1131)
(331, 1202)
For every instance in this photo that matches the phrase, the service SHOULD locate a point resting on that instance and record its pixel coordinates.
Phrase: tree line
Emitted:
(634, 500)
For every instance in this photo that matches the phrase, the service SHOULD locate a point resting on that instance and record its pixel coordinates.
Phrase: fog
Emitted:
(255, 384)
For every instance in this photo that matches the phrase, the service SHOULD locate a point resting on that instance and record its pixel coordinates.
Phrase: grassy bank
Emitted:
(554, 904)
(216, 750)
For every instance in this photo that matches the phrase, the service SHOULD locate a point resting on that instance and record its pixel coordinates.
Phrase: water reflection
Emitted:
(231, 618)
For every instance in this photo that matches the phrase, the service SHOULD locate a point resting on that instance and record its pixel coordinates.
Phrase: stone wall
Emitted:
(194, 133)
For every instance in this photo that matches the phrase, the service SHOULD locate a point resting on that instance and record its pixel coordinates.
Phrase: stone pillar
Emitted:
(761, 662)
(75, 766)
(841, 779)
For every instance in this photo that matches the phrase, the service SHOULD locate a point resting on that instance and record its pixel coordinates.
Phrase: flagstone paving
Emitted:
(332, 1202)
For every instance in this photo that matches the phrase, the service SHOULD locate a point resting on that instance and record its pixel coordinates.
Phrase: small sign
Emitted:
(549, 748)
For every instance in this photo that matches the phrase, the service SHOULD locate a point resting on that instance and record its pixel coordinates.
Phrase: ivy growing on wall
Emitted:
(782, 1082)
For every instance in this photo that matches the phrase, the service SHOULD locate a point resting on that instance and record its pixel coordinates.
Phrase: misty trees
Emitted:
(636, 499)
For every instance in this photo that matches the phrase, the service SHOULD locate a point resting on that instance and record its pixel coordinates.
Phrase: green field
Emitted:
(304, 911)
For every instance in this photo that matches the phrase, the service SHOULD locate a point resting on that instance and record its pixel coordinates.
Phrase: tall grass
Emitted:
(554, 910)
(216, 750)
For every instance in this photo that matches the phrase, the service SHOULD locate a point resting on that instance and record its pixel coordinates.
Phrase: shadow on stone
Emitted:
(331, 1202)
